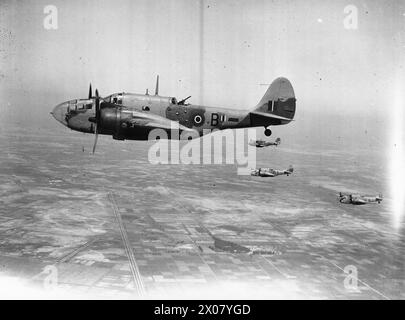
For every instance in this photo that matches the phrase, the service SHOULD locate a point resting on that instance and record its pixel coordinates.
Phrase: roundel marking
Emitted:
(197, 119)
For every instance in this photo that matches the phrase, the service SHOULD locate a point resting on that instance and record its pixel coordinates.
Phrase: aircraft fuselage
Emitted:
(202, 119)
(133, 116)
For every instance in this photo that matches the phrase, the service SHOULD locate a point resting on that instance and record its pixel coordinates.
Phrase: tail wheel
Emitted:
(267, 132)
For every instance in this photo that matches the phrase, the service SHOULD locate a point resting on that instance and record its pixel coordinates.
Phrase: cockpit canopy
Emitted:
(115, 98)
(126, 99)
(131, 99)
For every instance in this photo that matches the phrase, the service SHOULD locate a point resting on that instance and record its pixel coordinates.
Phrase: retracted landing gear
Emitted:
(267, 132)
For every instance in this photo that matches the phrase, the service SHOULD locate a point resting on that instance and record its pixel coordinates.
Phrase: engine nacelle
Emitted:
(113, 121)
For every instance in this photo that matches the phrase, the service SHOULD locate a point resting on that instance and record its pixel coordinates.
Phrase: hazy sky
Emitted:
(217, 51)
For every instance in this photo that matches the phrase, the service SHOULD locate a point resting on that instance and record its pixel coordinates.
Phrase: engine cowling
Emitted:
(113, 121)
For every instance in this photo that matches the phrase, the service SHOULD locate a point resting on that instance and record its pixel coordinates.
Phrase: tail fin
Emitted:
(290, 169)
(277, 104)
(278, 141)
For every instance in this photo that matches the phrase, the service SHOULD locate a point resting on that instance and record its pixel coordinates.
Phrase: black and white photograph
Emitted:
(202, 150)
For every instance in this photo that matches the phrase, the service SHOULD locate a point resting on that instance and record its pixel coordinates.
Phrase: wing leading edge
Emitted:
(152, 121)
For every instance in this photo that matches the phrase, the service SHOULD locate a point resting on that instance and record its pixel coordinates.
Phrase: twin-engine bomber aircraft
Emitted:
(357, 199)
(262, 143)
(268, 172)
(133, 116)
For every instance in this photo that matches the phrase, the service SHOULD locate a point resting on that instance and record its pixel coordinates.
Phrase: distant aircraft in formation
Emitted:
(357, 199)
(263, 143)
(133, 116)
(268, 172)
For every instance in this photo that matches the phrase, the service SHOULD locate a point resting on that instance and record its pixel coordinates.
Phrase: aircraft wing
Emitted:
(267, 174)
(152, 121)
(358, 201)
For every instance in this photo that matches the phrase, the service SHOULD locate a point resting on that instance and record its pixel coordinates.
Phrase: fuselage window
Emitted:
(83, 106)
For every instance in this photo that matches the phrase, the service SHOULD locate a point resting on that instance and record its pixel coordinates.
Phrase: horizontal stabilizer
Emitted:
(258, 119)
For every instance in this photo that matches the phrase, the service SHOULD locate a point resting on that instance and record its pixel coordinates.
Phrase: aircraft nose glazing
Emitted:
(59, 113)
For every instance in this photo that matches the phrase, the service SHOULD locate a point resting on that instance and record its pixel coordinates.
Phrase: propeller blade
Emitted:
(95, 139)
(90, 92)
(98, 113)
(98, 116)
